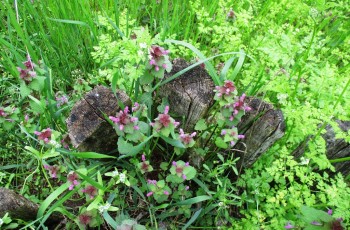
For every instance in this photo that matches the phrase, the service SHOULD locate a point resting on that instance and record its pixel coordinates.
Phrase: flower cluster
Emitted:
(231, 135)
(61, 100)
(159, 61)
(72, 179)
(118, 177)
(226, 93)
(231, 16)
(28, 73)
(90, 190)
(145, 166)
(53, 170)
(164, 123)
(44, 135)
(187, 139)
(125, 122)
(182, 171)
(159, 190)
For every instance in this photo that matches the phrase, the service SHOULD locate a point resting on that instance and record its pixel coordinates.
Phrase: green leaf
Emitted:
(193, 200)
(146, 98)
(36, 105)
(190, 172)
(124, 147)
(133, 150)
(24, 90)
(208, 65)
(227, 66)
(193, 219)
(54, 195)
(219, 142)
(85, 155)
(91, 181)
(173, 142)
(201, 125)
(37, 83)
(238, 66)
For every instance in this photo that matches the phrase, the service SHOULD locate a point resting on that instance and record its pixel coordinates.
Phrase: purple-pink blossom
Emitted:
(288, 226)
(53, 170)
(90, 190)
(28, 73)
(72, 178)
(186, 138)
(149, 194)
(227, 89)
(44, 135)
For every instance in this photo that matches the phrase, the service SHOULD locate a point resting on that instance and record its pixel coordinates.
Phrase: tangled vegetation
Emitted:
(293, 54)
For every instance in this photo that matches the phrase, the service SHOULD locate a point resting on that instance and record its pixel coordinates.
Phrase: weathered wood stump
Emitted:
(87, 126)
(262, 127)
(190, 95)
(16, 205)
(335, 148)
(19, 207)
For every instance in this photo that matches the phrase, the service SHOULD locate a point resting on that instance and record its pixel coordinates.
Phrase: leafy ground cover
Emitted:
(293, 54)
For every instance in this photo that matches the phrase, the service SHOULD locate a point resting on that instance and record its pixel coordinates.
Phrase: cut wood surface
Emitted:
(87, 126)
(190, 95)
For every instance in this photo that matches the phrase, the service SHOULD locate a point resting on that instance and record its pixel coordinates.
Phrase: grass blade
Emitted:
(209, 66)
(85, 155)
(194, 200)
(193, 219)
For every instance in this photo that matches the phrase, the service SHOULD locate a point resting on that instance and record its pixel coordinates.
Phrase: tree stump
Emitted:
(262, 127)
(87, 126)
(16, 205)
(335, 148)
(190, 95)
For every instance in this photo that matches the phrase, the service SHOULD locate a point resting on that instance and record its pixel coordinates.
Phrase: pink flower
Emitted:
(123, 118)
(288, 226)
(53, 170)
(149, 194)
(186, 139)
(90, 190)
(330, 212)
(166, 192)
(85, 219)
(2, 113)
(44, 135)
(72, 178)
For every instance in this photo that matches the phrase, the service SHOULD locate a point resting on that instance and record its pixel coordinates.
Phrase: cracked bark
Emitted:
(190, 95)
(87, 127)
(262, 127)
(19, 207)
(335, 148)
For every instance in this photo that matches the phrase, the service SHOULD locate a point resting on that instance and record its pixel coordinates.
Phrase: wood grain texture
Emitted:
(189, 95)
(87, 127)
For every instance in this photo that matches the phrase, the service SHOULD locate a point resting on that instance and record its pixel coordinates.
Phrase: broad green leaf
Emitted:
(201, 125)
(133, 150)
(173, 142)
(219, 142)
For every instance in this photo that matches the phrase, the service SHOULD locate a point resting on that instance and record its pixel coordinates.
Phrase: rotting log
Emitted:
(262, 127)
(87, 126)
(190, 95)
(19, 207)
(335, 148)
